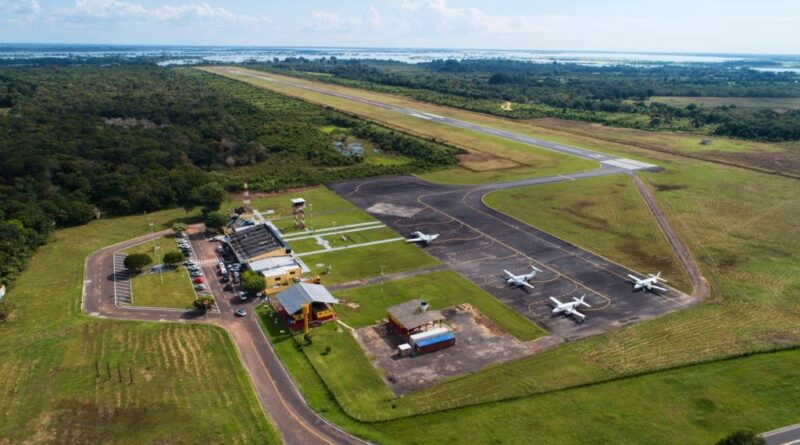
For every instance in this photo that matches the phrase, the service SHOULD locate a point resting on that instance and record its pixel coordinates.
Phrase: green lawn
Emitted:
(364, 262)
(604, 215)
(697, 404)
(49, 350)
(773, 103)
(172, 288)
(440, 289)
(149, 248)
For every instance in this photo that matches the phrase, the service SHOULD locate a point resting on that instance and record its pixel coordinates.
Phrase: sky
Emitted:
(719, 26)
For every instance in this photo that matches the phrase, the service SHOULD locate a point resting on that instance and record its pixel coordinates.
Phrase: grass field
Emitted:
(441, 290)
(509, 160)
(698, 404)
(604, 215)
(364, 262)
(773, 103)
(172, 288)
(50, 391)
(579, 134)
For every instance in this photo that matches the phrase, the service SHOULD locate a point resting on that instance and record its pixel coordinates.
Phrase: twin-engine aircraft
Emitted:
(521, 280)
(569, 307)
(649, 283)
(420, 237)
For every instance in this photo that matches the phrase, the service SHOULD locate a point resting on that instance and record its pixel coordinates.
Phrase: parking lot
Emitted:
(479, 243)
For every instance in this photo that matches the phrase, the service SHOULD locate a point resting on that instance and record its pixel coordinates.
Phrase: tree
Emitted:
(137, 261)
(208, 197)
(216, 220)
(742, 437)
(253, 283)
(173, 258)
(179, 228)
(204, 303)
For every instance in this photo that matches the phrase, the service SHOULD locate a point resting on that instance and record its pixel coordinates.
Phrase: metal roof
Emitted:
(249, 242)
(295, 297)
(409, 315)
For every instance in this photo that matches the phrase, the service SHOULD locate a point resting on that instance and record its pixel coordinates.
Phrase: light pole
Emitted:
(157, 249)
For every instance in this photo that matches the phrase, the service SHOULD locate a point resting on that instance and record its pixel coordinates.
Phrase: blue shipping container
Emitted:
(433, 340)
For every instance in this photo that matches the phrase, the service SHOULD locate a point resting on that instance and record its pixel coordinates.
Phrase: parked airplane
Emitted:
(648, 283)
(569, 307)
(422, 238)
(521, 280)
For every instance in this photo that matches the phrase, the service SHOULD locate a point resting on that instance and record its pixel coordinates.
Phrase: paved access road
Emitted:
(276, 391)
(789, 435)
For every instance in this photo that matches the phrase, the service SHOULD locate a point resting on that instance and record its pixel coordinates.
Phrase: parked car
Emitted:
(200, 287)
(240, 312)
(224, 279)
(195, 274)
(199, 280)
(243, 295)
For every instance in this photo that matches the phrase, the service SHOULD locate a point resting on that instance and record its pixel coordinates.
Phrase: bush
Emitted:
(216, 220)
(253, 283)
(173, 258)
(742, 437)
(204, 303)
(137, 261)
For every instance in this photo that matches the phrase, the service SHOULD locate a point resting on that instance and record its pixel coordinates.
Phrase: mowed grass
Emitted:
(171, 288)
(697, 404)
(773, 103)
(604, 215)
(441, 290)
(510, 160)
(364, 262)
(51, 393)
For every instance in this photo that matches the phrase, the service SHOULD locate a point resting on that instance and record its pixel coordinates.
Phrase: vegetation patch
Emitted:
(341, 266)
(78, 379)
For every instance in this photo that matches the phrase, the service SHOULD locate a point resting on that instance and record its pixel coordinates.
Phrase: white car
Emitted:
(243, 295)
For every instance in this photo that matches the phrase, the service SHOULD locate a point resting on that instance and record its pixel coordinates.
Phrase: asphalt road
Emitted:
(789, 435)
(479, 242)
(276, 391)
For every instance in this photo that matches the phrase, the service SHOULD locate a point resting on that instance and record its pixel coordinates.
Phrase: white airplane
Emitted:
(569, 307)
(422, 238)
(648, 283)
(521, 280)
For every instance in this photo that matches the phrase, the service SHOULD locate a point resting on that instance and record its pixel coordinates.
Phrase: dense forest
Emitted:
(614, 95)
(80, 142)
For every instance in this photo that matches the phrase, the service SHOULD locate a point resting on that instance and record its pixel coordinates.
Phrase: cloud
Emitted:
(21, 6)
(121, 11)
(325, 21)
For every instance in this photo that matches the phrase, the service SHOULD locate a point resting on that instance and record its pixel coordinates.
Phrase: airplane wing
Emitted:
(658, 287)
(555, 300)
(524, 283)
(414, 240)
(575, 313)
(508, 273)
(433, 237)
(634, 277)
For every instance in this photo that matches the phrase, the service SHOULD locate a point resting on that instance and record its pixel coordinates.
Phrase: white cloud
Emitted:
(115, 10)
(325, 21)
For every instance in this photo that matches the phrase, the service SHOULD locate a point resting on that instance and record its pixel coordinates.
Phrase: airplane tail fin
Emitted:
(581, 302)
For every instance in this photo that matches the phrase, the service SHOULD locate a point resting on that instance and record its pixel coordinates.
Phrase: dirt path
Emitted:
(700, 287)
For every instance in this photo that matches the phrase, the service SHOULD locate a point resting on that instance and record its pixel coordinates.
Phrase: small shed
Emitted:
(412, 317)
(306, 300)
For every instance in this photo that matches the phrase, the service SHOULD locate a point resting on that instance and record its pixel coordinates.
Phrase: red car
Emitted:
(199, 280)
